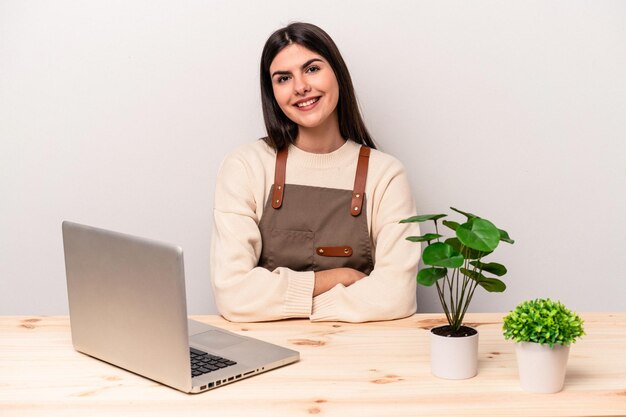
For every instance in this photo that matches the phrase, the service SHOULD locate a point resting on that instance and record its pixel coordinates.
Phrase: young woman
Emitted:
(306, 220)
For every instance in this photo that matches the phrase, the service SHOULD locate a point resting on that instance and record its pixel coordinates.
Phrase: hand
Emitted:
(325, 280)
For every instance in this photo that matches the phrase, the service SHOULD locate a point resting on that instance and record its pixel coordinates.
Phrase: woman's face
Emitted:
(305, 86)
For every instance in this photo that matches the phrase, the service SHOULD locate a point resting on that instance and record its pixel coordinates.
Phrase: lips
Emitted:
(307, 103)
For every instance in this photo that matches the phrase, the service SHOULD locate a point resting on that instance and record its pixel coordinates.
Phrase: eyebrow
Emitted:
(306, 64)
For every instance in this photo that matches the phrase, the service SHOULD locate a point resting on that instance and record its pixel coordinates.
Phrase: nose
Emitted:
(301, 87)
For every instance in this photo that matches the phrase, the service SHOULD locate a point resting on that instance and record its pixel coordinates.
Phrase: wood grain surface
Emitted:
(373, 369)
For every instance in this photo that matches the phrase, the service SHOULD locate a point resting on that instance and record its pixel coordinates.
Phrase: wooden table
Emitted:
(374, 369)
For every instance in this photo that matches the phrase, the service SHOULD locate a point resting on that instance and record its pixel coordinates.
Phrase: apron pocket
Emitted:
(291, 249)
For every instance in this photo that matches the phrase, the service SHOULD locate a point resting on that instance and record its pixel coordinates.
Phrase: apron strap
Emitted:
(359, 181)
(279, 177)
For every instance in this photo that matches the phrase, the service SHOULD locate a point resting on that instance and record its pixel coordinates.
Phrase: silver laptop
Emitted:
(128, 307)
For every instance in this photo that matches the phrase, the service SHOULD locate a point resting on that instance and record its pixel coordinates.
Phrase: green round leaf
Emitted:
(423, 218)
(468, 215)
(493, 267)
(479, 234)
(504, 236)
(451, 225)
(476, 276)
(428, 276)
(424, 238)
(492, 284)
(465, 251)
(442, 254)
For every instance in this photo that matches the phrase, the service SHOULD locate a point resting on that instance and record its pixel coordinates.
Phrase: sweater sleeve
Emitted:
(389, 292)
(243, 291)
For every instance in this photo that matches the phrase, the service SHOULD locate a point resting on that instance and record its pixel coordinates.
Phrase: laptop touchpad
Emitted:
(215, 339)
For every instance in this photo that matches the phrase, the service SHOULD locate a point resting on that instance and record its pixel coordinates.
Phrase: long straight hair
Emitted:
(280, 129)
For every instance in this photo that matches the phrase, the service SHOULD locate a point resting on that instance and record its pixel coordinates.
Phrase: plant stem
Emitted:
(443, 302)
(452, 304)
(469, 298)
(473, 286)
(463, 299)
(458, 300)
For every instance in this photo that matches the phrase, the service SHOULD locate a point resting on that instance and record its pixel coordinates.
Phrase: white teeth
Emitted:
(307, 103)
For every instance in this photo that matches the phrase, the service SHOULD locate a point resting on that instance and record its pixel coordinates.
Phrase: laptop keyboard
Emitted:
(203, 363)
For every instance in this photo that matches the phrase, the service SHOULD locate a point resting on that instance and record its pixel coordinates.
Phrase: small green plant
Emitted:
(456, 265)
(543, 321)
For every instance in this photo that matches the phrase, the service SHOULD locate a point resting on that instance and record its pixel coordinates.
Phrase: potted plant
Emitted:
(543, 331)
(455, 266)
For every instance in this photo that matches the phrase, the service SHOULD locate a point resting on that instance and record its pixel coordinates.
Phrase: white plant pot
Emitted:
(454, 357)
(541, 368)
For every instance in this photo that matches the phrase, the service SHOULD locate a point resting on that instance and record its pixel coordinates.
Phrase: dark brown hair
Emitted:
(280, 129)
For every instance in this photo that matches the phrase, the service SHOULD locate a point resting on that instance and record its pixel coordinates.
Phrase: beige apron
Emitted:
(306, 228)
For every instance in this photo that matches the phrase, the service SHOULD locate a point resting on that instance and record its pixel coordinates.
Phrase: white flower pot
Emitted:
(453, 357)
(541, 368)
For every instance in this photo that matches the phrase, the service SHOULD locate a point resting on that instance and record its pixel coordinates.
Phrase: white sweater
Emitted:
(245, 292)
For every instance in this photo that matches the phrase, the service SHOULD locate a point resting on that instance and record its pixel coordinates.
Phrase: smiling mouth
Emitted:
(307, 103)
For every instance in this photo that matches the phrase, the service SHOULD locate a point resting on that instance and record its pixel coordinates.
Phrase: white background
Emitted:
(117, 114)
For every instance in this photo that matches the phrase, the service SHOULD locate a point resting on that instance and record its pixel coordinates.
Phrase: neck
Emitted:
(325, 138)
